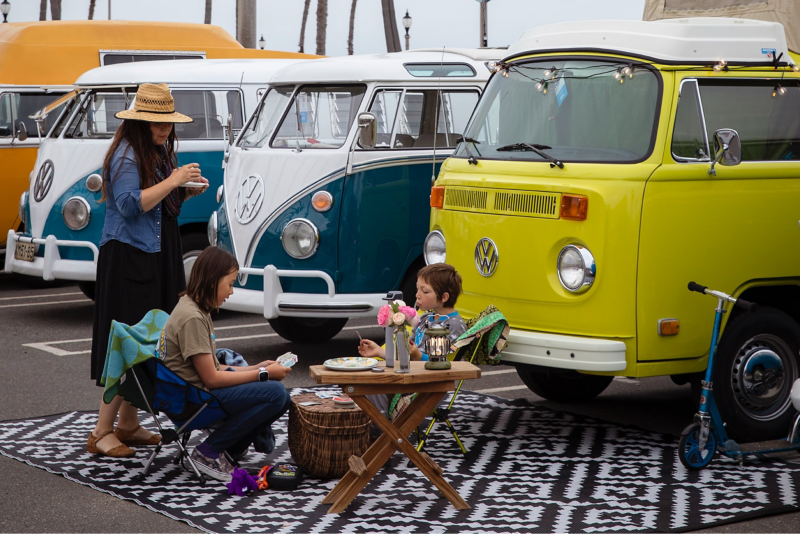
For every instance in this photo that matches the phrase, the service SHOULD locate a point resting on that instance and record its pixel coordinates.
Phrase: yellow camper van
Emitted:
(606, 166)
(38, 61)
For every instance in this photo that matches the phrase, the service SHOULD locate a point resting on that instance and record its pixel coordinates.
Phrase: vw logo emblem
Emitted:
(486, 257)
(44, 179)
(249, 198)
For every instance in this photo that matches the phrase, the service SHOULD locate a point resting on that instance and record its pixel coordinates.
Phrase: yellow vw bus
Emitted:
(39, 60)
(607, 165)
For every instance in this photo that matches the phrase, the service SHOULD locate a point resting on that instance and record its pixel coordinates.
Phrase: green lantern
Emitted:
(437, 347)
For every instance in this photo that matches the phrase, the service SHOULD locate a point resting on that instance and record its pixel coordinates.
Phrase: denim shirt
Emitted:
(126, 221)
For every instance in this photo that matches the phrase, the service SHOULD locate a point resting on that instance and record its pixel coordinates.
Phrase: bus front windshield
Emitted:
(569, 110)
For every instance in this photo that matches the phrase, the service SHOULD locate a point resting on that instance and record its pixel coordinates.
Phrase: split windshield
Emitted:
(573, 110)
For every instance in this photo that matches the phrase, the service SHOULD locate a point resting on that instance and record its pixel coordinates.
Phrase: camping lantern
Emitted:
(437, 347)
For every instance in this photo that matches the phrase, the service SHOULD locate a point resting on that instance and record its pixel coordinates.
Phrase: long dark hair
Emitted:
(140, 140)
(209, 268)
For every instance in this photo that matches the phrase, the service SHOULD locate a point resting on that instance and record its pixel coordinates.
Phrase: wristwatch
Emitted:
(263, 374)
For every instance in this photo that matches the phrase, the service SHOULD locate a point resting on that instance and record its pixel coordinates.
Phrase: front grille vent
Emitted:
(540, 204)
(503, 202)
(465, 198)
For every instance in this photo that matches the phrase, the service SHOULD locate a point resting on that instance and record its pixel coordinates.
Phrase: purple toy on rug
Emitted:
(241, 482)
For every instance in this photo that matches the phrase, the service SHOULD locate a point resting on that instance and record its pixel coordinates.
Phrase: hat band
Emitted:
(159, 112)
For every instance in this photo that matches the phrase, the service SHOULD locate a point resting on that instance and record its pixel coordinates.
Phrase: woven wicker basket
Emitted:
(322, 438)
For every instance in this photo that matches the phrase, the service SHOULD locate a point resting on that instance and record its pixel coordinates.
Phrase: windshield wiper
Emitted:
(470, 158)
(532, 147)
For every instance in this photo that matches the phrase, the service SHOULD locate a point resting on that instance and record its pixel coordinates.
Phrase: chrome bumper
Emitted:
(274, 302)
(564, 352)
(51, 266)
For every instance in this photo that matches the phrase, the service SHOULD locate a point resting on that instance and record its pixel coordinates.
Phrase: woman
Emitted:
(140, 266)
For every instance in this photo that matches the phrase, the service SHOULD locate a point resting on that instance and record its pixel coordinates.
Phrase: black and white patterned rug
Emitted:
(534, 470)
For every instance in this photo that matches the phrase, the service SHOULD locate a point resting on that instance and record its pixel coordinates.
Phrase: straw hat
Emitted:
(154, 103)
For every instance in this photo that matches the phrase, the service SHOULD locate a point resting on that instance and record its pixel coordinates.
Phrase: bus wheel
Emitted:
(563, 386)
(192, 244)
(307, 330)
(87, 288)
(755, 366)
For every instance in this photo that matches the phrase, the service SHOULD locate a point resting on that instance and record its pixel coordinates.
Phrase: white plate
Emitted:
(194, 184)
(351, 364)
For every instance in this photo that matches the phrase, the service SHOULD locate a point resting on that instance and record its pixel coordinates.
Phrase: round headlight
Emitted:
(76, 213)
(300, 238)
(434, 249)
(212, 229)
(576, 268)
(94, 182)
(322, 201)
(220, 190)
(23, 200)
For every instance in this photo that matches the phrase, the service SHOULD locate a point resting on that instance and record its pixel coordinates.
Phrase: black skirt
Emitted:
(131, 282)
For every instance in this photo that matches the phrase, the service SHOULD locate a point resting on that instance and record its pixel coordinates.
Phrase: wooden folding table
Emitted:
(430, 387)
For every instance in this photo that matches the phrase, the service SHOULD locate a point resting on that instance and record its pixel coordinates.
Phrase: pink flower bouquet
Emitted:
(397, 314)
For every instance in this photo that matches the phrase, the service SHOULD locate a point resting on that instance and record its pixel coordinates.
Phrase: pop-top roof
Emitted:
(682, 41)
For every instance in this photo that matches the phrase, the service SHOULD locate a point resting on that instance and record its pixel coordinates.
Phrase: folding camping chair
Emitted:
(151, 386)
(489, 321)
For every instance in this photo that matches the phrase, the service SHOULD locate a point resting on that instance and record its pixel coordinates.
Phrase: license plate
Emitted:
(24, 251)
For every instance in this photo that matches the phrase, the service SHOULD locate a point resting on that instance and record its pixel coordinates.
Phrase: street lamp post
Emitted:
(5, 7)
(484, 39)
(261, 42)
(407, 26)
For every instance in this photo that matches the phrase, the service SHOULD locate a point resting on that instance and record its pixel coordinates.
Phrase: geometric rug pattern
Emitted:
(531, 469)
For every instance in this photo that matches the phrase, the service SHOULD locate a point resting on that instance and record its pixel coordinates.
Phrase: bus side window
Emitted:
(6, 118)
(688, 137)
(384, 107)
(417, 127)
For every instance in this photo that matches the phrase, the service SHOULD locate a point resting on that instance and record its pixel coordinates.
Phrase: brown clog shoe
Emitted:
(126, 437)
(120, 451)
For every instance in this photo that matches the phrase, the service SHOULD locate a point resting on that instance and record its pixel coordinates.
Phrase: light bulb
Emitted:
(547, 73)
(795, 68)
(544, 91)
(626, 71)
(505, 73)
(539, 86)
(622, 80)
(617, 75)
(723, 62)
(781, 89)
(717, 67)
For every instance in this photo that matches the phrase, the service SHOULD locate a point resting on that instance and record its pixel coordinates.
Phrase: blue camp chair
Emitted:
(151, 386)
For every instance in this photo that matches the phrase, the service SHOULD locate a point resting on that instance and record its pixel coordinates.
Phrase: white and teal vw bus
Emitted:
(61, 210)
(326, 195)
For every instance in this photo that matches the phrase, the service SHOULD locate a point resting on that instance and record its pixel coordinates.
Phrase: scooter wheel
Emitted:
(689, 452)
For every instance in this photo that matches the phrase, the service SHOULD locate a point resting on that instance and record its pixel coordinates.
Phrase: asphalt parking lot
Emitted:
(45, 337)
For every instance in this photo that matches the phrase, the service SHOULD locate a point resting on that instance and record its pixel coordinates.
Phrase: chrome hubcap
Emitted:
(762, 375)
(188, 261)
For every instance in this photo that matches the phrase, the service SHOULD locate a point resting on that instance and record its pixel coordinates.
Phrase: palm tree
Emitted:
(390, 26)
(43, 10)
(208, 11)
(91, 9)
(303, 26)
(55, 9)
(352, 25)
(322, 25)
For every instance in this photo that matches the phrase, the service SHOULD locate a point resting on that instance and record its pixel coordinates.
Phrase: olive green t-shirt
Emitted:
(189, 331)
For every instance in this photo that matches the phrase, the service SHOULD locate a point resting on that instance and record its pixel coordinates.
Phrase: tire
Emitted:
(689, 452)
(192, 245)
(307, 330)
(87, 288)
(755, 366)
(561, 386)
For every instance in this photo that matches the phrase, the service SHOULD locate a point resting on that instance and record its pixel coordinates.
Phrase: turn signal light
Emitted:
(668, 327)
(437, 197)
(574, 207)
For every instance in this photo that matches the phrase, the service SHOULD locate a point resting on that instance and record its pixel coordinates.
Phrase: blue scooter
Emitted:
(706, 435)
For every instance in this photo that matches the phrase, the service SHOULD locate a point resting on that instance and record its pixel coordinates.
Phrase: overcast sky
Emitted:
(436, 23)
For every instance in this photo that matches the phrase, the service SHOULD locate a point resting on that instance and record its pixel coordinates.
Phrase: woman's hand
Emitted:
(188, 173)
(194, 191)
(277, 371)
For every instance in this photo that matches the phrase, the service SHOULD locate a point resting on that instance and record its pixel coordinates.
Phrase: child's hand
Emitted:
(277, 371)
(369, 349)
(265, 363)
(413, 351)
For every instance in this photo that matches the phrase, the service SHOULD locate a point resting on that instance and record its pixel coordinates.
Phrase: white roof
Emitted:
(689, 40)
(386, 67)
(189, 71)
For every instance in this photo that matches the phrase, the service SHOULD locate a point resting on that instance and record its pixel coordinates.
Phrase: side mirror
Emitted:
(727, 149)
(366, 130)
(22, 131)
(229, 127)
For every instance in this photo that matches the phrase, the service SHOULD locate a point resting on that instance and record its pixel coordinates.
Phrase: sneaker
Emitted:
(220, 469)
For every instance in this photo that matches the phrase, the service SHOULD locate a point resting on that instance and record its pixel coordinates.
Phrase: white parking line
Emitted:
(495, 390)
(43, 303)
(46, 346)
(42, 296)
(491, 373)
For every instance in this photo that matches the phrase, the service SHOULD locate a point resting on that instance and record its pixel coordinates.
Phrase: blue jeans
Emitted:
(253, 407)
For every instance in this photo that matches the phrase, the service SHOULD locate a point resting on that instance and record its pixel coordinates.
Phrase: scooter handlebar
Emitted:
(693, 286)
